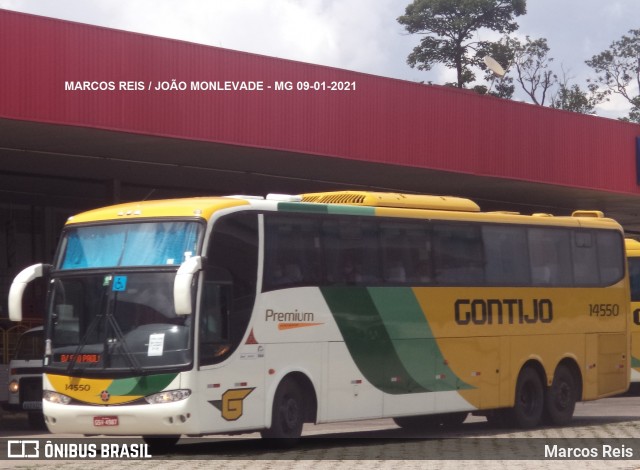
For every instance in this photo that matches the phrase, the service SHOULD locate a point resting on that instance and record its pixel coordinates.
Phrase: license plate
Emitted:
(32, 405)
(105, 421)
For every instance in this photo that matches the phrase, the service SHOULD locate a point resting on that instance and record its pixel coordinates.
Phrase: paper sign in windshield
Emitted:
(156, 344)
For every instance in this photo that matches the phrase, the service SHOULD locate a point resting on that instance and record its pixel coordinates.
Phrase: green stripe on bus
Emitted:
(635, 362)
(413, 339)
(325, 208)
(368, 341)
(140, 386)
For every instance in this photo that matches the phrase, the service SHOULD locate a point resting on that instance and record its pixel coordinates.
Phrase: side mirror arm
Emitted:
(18, 286)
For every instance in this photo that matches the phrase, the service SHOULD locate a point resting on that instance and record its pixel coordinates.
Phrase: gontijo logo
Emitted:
(289, 320)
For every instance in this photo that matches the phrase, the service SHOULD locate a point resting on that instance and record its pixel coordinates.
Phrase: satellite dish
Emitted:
(494, 66)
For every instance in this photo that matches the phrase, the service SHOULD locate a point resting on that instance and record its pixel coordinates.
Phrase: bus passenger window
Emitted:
(506, 255)
(585, 259)
(459, 254)
(634, 278)
(550, 254)
(292, 252)
(351, 251)
(609, 249)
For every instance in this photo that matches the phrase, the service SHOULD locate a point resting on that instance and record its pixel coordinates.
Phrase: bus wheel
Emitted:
(160, 444)
(529, 402)
(560, 398)
(288, 414)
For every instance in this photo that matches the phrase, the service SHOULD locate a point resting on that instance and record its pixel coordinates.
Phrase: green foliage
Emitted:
(573, 98)
(449, 28)
(618, 70)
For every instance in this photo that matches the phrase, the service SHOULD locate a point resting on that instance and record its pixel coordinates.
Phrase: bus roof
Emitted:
(203, 207)
(632, 246)
(339, 202)
(397, 200)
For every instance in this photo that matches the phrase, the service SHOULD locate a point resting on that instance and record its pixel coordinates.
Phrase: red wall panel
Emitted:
(383, 120)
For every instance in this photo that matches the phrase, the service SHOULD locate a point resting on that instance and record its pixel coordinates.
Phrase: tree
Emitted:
(532, 64)
(529, 61)
(575, 99)
(449, 27)
(618, 70)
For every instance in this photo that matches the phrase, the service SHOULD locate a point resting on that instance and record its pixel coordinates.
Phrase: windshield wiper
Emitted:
(106, 313)
(122, 344)
(92, 326)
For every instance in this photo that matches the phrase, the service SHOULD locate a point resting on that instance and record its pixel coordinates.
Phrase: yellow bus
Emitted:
(633, 258)
(239, 314)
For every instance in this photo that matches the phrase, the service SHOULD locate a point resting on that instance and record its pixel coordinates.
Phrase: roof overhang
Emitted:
(83, 168)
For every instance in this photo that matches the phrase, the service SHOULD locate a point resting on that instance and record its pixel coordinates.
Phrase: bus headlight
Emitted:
(55, 397)
(168, 397)
(13, 386)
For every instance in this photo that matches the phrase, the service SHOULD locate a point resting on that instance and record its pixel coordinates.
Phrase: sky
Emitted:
(358, 35)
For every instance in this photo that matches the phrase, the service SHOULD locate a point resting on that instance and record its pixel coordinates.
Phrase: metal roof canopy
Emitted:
(46, 164)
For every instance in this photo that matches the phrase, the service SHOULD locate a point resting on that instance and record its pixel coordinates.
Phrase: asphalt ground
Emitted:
(380, 444)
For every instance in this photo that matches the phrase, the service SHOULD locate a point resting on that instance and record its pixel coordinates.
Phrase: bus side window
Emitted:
(406, 252)
(585, 259)
(634, 278)
(611, 264)
(292, 252)
(459, 254)
(550, 254)
(506, 254)
(351, 251)
(214, 322)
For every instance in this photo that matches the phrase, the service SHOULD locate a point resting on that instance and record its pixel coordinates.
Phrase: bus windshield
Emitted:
(30, 346)
(117, 322)
(129, 244)
(120, 315)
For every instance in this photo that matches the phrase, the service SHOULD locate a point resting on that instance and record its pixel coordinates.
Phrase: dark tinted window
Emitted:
(229, 286)
(458, 254)
(341, 250)
(634, 278)
(292, 247)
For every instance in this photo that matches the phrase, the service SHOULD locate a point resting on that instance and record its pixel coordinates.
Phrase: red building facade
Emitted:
(378, 120)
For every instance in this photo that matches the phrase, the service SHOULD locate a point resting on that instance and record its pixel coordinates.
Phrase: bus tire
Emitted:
(560, 398)
(288, 414)
(529, 400)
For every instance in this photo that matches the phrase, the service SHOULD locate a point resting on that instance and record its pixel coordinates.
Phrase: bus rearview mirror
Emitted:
(18, 286)
(182, 290)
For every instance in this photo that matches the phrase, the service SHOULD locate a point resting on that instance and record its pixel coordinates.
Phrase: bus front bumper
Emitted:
(124, 420)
